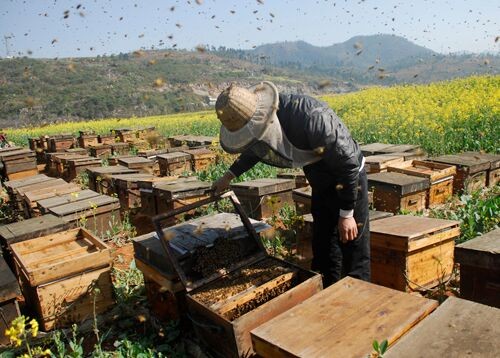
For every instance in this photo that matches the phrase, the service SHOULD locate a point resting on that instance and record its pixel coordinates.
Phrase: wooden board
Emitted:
(379, 163)
(483, 251)
(261, 187)
(298, 176)
(342, 321)
(181, 189)
(34, 196)
(56, 256)
(377, 215)
(135, 162)
(473, 164)
(457, 328)
(79, 207)
(399, 148)
(14, 184)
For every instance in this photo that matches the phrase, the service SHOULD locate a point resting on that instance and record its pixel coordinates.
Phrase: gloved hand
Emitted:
(222, 183)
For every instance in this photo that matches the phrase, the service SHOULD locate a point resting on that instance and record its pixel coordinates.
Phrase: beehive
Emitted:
(99, 177)
(143, 165)
(18, 164)
(20, 191)
(58, 273)
(60, 142)
(263, 198)
(201, 158)
(175, 163)
(86, 139)
(148, 202)
(379, 163)
(373, 148)
(457, 328)
(440, 178)
(101, 150)
(77, 166)
(479, 261)
(298, 176)
(9, 291)
(411, 252)
(231, 283)
(342, 321)
(471, 171)
(120, 148)
(45, 204)
(126, 188)
(31, 198)
(26, 230)
(106, 139)
(493, 174)
(95, 213)
(394, 192)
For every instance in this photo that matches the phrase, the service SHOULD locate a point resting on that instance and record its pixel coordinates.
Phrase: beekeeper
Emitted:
(297, 131)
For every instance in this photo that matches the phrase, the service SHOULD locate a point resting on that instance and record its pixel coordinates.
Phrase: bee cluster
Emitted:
(223, 253)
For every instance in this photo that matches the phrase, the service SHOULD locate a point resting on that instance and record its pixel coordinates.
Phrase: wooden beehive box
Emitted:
(9, 291)
(101, 150)
(201, 158)
(395, 192)
(148, 202)
(99, 177)
(60, 142)
(479, 261)
(457, 328)
(342, 321)
(57, 163)
(18, 164)
(493, 174)
(120, 148)
(298, 176)
(106, 138)
(379, 163)
(46, 184)
(410, 252)
(471, 171)
(126, 188)
(45, 204)
(143, 165)
(175, 163)
(31, 198)
(113, 160)
(263, 198)
(95, 213)
(126, 135)
(86, 140)
(302, 199)
(170, 196)
(26, 230)
(81, 151)
(12, 185)
(440, 178)
(240, 289)
(58, 273)
(77, 166)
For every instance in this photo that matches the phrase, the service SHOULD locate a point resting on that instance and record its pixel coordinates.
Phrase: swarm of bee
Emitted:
(221, 255)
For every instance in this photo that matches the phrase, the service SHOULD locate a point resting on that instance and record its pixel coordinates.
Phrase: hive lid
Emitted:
(113, 169)
(41, 185)
(372, 148)
(408, 232)
(260, 187)
(473, 163)
(305, 192)
(457, 328)
(14, 184)
(403, 184)
(399, 148)
(80, 207)
(377, 215)
(30, 228)
(67, 199)
(181, 188)
(425, 169)
(494, 159)
(204, 249)
(483, 251)
(174, 157)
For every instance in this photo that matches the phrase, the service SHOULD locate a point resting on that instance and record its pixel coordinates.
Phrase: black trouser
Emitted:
(332, 258)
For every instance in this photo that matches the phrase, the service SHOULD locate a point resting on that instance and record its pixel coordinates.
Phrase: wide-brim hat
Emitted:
(246, 114)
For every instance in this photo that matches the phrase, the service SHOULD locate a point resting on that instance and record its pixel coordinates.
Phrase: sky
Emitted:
(67, 28)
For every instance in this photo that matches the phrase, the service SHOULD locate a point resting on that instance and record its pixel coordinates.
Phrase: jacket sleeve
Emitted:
(246, 161)
(327, 135)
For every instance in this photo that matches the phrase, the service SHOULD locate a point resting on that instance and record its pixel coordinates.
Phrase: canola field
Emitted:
(442, 117)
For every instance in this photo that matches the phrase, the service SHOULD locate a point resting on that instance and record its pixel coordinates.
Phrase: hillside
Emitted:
(375, 59)
(142, 83)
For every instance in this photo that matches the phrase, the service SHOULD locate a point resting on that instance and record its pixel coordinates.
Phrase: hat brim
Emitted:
(267, 105)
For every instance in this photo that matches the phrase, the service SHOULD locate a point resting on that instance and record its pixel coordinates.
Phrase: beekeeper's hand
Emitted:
(348, 230)
(222, 184)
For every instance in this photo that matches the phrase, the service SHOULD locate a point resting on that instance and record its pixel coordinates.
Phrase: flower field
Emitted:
(443, 117)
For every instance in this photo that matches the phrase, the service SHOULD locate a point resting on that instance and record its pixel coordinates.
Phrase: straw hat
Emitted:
(246, 114)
